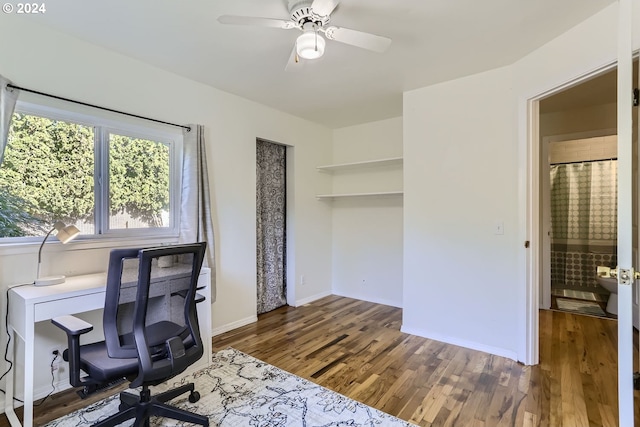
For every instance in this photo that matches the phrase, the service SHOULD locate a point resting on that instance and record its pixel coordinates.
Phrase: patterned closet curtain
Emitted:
(270, 225)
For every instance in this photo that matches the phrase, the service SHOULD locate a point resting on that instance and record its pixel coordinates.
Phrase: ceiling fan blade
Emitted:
(258, 22)
(358, 38)
(324, 7)
(295, 63)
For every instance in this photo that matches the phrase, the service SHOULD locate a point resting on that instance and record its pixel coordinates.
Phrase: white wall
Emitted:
(38, 58)
(367, 232)
(460, 180)
(466, 167)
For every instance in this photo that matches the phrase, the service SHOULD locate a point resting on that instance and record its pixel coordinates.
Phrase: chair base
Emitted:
(144, 406)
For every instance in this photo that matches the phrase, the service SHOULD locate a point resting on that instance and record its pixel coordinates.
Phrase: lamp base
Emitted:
(50, 280)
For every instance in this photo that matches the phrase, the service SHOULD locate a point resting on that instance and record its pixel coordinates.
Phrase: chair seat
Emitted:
(95, 361)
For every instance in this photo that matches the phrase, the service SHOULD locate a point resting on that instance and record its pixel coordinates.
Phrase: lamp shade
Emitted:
(66, 233)
(310, 45)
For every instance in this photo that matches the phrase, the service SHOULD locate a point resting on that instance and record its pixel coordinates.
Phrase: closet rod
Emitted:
(583, 161)
(11, 86)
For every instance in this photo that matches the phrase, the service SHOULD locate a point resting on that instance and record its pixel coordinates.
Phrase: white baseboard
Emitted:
(233, 325)
(375, 300)
(312, 298)
(498, 351)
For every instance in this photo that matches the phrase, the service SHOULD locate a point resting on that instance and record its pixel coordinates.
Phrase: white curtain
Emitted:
(8, 98)
(195, 212)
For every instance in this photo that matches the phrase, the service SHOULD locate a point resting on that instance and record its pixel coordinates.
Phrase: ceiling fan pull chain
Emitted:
(315, 27)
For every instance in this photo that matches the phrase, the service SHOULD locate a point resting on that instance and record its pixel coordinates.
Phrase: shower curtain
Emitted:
(583, 222)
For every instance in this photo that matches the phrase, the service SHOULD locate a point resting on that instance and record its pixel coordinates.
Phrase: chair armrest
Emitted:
(198, 297)
(72, 325)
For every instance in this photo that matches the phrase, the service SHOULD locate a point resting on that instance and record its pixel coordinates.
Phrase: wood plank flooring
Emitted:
(356, 348)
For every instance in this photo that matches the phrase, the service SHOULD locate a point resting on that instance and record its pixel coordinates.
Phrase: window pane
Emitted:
(46, 175)
(138, 183)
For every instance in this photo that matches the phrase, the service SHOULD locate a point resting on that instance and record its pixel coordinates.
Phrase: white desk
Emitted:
(30, 304)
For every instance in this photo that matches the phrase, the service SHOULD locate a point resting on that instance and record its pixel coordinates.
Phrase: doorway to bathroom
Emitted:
(578, 197)
(578, 153)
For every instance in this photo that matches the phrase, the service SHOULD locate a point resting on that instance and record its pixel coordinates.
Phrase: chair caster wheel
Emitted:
(194, 396)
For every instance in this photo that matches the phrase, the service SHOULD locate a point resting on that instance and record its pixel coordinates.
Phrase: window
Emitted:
(108, 178)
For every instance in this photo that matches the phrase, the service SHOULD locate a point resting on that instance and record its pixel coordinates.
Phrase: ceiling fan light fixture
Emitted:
(310, 45)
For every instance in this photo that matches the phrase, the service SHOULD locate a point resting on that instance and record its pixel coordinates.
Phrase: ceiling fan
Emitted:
(312, 18)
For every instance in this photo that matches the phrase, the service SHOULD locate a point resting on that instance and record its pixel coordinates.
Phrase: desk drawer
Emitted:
(73, 305)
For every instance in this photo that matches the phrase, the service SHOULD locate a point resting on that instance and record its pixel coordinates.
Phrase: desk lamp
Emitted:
(66, 233)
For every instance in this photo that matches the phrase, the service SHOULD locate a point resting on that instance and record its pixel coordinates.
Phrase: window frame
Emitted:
(104, 125)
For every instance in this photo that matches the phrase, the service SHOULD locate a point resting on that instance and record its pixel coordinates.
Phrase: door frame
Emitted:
(534, 221)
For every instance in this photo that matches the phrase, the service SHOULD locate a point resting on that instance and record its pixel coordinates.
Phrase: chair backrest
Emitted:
(150, 311)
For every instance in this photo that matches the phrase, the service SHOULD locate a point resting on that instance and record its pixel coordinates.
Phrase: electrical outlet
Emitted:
(56, 357)
(302, 280)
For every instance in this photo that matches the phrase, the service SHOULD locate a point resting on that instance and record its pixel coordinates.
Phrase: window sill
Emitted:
(53, 245)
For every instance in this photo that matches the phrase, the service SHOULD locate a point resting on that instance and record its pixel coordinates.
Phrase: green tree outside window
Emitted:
(48, 173)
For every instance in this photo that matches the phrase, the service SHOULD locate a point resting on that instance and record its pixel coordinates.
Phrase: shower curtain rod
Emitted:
(583, 161)
(12, 86)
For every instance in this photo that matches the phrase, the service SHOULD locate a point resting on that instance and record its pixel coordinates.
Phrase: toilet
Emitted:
(610, 284)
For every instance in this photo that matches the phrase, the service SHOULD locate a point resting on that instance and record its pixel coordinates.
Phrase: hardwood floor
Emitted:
(356, 348)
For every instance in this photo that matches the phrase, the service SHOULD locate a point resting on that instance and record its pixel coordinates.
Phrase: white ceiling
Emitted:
(433, 41)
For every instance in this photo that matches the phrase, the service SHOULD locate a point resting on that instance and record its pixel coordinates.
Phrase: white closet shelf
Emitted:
(374, 194)
(368, 163)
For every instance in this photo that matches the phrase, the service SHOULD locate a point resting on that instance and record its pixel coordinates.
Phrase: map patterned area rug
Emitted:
(580, 307)
(239, 390)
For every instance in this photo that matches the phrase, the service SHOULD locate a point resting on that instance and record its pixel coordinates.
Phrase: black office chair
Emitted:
(151, 333)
